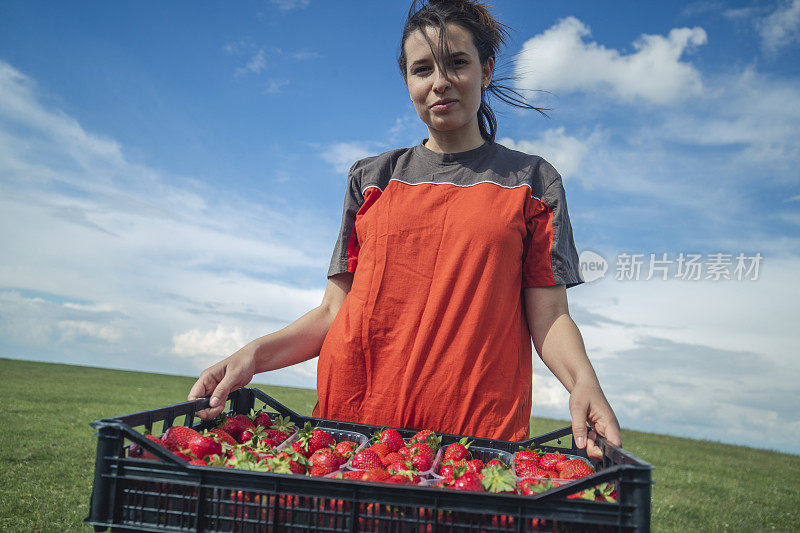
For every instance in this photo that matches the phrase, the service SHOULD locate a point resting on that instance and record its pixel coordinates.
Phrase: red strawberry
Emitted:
(346, 448)
(182, 456)
(391, 458)
(203, 445)
(327, 460)
(400, 479)
(246, 436)
(548, 461)
(573, 469)
(375, 474)
(177, 438)
(296, 462)
(262, 419)
(366, 460)
(531, 486)
(527, 454)
(474, 465)
(586, 494)
(280, 430)
(458, 451)
(137, 451)
(468, 481)
(312, 439)
(399, 466)
(446, 469)
(528, 469)
(198, 462)
(421, 456)
(405, 453)
(224, 437)
(230, 425)
(380, 448)
(429, 437)
(496, 463)
(300, 448)
(391, 438)
(353, 474)
(319, 471)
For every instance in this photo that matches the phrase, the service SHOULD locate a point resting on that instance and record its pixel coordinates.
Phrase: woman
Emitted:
(451, 256)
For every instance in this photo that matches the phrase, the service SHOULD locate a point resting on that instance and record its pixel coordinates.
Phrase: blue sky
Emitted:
(172, 176)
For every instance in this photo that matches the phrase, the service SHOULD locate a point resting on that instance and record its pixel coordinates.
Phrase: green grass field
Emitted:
(47, 451)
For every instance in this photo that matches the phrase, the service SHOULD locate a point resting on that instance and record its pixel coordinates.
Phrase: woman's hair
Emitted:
(487, 35)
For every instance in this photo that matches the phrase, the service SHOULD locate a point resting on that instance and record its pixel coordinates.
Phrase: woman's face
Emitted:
(427, 84)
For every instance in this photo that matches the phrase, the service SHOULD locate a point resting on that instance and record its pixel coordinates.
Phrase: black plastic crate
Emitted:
(171, 495)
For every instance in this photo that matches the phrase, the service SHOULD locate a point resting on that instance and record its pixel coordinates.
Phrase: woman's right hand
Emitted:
(223, 378)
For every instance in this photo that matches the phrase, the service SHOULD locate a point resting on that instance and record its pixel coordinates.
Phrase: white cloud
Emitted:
(701, 359)
(342, 155)
(781, 28)
(289, 5)
(275, 86)
(72, 329)
(123, 258)
(218, 343)
(565, 152)
(256, 64)
(559, 60)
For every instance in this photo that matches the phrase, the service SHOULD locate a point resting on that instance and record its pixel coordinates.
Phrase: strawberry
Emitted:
(446, 469)
(327, 460)
(224, 437)
(230, 425)
(409, 474)
(375, 474)
(399, 466)
(496, 479)
(429, 437)
(311, 439)
(586, 494)
(262, 419)
(380, 448)
(496, 463)
(527, 454)
(405, 453)
(458, 451)
(400, 479)
(366, 459)
(528, 469)
(182, 456)
(198, 462)
(353, 474)
(573, 469)
(548, 461)
(346, 448)
(391, 438)
(319, 471)
(468, 481)
(203, 445)
(531, 486)
(421, 456)
(137, 451)
(391, 458)
(177, 438)
(605, 492)
(473, 465)
(296, 462)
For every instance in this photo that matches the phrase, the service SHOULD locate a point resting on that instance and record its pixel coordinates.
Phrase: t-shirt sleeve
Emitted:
(550, 256)
(345, 252)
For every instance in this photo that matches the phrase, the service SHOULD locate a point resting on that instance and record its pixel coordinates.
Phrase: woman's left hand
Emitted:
(588, 404)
